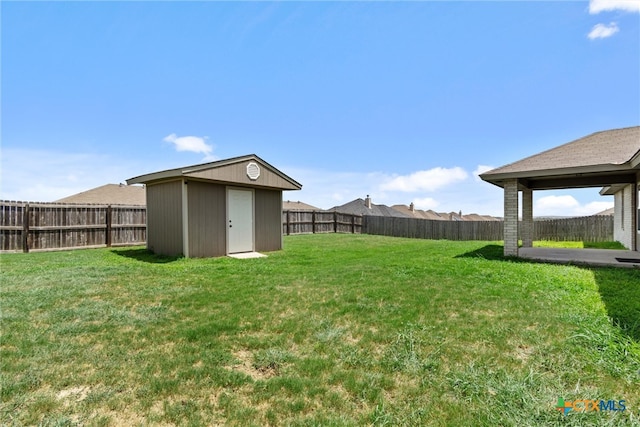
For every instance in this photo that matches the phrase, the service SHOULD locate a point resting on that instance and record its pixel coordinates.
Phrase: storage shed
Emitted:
(215, 209)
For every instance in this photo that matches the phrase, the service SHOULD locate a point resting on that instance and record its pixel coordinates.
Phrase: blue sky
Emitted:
(405, 101)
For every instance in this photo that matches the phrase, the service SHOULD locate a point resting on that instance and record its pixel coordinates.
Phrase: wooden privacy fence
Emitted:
(302, 222)
(431, 229)
(587, 229)
(49, 226)
(597, 228)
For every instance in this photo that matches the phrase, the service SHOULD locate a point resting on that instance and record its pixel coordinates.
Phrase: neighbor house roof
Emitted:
(606, 156)
(226, 171)
(415, 213)
(359, 207)
(431, 214)
(609, 211)
(298, 206)
(110, 194)
(434, 216)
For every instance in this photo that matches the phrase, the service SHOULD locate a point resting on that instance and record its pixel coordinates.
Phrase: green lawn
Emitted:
(333, 330)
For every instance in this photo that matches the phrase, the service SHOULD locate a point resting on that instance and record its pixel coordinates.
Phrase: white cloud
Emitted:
(602, 31)
(597, 6)
(194, 144)
(45, 176)
(547, 203)
(426, 203)
(480, 170)
(566, 205)
(592, 208)
(427, 180)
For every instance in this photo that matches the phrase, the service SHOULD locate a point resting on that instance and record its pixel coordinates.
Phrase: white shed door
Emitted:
(240, 220)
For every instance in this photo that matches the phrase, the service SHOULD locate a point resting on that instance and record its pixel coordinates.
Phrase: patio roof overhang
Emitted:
(598, 160)
(580, 177)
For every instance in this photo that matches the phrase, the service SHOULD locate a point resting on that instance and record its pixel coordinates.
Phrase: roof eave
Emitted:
(635, 161)
(498, 178)
(155, 177)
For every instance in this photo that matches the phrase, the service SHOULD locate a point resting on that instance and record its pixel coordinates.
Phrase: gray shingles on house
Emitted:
(411, 211)
(110, 194)
(609, 211)
(601, 154)
(366, 207)
(288, 205)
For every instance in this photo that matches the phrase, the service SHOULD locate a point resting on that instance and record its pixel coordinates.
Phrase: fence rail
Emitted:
(588, 229)
(49, 226)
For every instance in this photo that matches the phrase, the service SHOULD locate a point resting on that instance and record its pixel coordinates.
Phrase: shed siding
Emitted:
(237, 174)
(268, 220)
(207, 219)
(164, 218)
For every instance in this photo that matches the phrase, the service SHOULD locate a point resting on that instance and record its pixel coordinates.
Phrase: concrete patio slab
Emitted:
(247, 255)
(597, 257)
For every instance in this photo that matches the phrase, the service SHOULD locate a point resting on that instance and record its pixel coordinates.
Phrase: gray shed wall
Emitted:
(268, 220)
(207, 219)
(164, 218)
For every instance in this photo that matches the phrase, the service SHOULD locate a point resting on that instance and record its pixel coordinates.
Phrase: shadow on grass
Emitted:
(488, 252)
(619, 288)
(603, 245)
(145, 255)
(620, 292)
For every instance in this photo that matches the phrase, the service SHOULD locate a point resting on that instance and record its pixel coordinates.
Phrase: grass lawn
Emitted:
(333, 330)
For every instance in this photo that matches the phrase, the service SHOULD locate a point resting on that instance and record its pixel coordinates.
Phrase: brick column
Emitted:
(527, 218)
(511, 217)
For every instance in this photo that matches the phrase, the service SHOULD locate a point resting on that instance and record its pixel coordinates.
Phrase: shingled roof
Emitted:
(605, 154)
(359, 207)
(110, 194)
(288, 205)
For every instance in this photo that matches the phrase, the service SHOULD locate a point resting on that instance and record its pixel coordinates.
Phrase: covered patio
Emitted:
(608, 159)
(598, 257)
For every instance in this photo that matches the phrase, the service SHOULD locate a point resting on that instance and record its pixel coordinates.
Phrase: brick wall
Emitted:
(511, 217)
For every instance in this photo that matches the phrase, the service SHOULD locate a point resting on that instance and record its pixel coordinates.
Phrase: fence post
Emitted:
(353, 224)
(288, 223)
(313, 222)
(335, 221)
(25, 229)
(107, 235)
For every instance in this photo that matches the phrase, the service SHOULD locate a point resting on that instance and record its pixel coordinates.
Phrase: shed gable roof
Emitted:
(233, 170)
